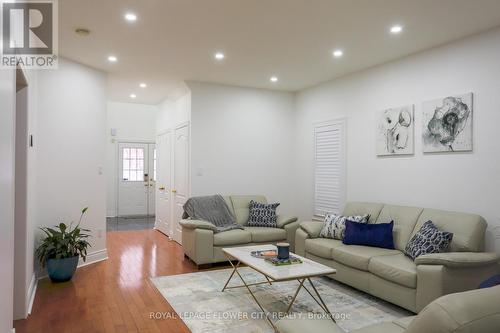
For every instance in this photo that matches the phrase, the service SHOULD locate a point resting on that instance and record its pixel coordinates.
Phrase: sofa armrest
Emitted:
(312, 228)
(458, 259)
(197, 224)
(284, 220)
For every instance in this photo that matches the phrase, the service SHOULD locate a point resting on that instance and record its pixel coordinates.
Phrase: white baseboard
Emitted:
(32, 293)
(92, 258)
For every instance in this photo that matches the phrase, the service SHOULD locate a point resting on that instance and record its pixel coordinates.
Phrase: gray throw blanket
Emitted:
(212, 209)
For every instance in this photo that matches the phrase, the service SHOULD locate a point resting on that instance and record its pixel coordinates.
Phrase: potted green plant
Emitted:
(61, 248)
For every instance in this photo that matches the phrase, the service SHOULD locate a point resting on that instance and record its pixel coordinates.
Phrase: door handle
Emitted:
(174, 191)
(161, 188)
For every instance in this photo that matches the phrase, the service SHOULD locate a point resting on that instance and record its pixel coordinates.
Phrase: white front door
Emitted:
(163, 182)
(134, 179)
(181, 177)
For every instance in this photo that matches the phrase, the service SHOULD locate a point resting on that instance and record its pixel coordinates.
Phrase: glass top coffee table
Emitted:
(300, 272)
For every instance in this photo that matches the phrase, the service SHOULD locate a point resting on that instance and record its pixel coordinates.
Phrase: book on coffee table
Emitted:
(264, 254)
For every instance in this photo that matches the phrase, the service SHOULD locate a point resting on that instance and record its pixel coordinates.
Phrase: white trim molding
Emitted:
(31, 293)
(93, 258)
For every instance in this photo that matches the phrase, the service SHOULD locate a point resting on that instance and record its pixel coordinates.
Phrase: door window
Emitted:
(133, 164)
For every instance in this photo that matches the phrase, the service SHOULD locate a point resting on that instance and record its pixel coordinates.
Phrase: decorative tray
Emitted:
(282, 262)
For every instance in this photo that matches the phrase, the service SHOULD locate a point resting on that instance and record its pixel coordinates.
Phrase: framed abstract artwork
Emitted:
(395, 131)
(447, 124)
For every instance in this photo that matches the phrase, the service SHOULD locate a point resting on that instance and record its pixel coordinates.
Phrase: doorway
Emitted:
(136, 187)
(173, 186)
(181, 177)
(21, 297)
(164, 183)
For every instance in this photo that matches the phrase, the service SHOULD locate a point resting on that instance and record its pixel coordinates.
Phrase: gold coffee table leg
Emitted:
(256, 300)
(322, 305)
(232, 273)
(301, 284)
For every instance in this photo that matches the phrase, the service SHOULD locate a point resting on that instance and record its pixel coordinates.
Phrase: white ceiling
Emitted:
(174, 40)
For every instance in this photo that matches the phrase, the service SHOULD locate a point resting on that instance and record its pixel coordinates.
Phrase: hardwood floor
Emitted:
(115, 295)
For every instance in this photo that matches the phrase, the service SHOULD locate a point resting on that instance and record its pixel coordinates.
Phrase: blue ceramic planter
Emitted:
(62, 270)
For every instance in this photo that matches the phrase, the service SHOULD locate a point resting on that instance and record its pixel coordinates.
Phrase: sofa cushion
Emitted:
(263, 234)
(404, 219)
(232, 237)
(229, 203)
(262, 214)
(362, 208)
(383, 327)
(429, 239)
(358, 256)
(322, 247)
(396, 268)
(334, 225)
(241, 206)
(468, 229)
(466, 312)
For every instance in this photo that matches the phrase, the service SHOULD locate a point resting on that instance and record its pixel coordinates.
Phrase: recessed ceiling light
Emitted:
(219, 56)
(131, 17)
(143, 85)
(396, 29)
(338, 53)
(133, 95)
(112, 58)
(273, 79)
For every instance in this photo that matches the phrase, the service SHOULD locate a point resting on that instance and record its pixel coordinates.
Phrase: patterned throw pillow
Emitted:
(334, 226)
(262, 215)
(429, 239)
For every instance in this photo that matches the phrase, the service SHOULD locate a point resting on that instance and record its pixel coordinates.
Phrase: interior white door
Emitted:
(164, 182)
(133, 179)
(152, 173)
(181, 177)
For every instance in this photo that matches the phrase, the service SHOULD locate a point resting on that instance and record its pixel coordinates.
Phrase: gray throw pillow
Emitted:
(429, 239)
(262, 215)
(334, 226)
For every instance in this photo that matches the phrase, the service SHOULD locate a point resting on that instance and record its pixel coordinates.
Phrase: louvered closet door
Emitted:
(329, 168)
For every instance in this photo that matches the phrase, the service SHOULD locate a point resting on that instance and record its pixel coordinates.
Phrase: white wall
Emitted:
(242, 142)
(7, 121)
(464, 182)
(173, 113)
(133, 123)
(71, 158)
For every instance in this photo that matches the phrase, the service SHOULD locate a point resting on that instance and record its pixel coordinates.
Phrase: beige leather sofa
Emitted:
(203, 246)
(391, 275)
(475, 311)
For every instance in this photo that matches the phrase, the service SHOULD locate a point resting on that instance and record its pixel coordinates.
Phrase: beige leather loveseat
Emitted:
(475, 311)
(391, 275)
(203, 246)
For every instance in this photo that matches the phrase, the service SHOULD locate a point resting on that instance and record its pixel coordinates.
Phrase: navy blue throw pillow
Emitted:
(378, 235)
(491, 282)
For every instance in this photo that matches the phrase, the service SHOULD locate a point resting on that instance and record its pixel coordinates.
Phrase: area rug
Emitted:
(197, 299)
